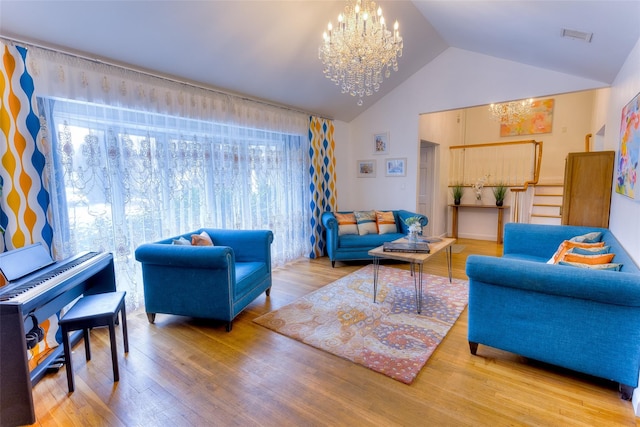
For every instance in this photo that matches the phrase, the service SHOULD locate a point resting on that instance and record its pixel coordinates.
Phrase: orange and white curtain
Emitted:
(24, 200)
(323, 179)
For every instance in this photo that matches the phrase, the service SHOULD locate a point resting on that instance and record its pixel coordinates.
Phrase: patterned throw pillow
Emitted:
(386, 222)
(366, 222)
(608, 266)
(346, 223)
(181, 242)
(201, 239)
(590, 251)
(566, 245)
(594, 236)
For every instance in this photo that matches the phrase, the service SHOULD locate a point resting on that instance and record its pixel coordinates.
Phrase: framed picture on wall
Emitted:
(396, 167)
(366, 168)
(381, 143)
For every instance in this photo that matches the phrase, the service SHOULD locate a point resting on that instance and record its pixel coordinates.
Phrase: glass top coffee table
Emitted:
(415, 259)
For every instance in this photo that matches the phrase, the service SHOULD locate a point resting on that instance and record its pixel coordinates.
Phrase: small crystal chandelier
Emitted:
(360, 49)
(511, 112)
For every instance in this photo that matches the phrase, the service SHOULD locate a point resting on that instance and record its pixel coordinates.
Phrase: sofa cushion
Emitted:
(181, 242)
(202, 239)
(588, 259)
(368, 241)
(568, 244)
(386, 222)
(590, 251)
(366, 222)
(346, 223)
(612, 266)
(593, 237)
(248, 274)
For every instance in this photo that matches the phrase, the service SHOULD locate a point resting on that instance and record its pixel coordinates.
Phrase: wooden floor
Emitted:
(183, 372)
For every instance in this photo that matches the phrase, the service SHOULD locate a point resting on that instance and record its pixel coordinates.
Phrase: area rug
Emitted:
(457, 249)
(388, 336)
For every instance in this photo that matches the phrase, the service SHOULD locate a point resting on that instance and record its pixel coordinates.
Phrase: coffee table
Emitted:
(414, 259)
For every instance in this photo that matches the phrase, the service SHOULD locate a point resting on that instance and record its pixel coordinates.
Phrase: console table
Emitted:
(454, 225)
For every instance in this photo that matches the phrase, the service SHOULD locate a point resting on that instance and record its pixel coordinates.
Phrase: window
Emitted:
(121, 177)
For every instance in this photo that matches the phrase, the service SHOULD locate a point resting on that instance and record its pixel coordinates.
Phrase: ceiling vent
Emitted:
(577, 35)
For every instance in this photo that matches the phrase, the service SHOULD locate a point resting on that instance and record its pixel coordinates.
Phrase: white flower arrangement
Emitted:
(479, 185)
(414, 224)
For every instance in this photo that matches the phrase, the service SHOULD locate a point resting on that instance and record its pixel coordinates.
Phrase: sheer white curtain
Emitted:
(134, 158)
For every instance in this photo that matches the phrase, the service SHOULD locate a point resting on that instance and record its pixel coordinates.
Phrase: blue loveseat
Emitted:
(578, 318)
(352, 247)
(212, 282)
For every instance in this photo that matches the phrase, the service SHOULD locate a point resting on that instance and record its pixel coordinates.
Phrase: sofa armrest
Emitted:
(402, 215)
(331, 226)
(207, 257)
(607, 287)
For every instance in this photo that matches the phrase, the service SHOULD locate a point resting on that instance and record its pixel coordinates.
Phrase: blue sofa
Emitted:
(352, 247)
(578, 318)
(212, 282)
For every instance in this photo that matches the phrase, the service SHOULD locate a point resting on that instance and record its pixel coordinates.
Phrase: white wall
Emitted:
(456, 79)
(624, 212)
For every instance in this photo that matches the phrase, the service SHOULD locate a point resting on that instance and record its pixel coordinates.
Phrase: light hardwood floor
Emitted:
(182, 372)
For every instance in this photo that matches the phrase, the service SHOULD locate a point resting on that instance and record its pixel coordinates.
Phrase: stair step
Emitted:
(546, 216)
(547, 205)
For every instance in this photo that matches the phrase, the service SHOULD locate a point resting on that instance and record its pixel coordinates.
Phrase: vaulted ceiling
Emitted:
(268, 50)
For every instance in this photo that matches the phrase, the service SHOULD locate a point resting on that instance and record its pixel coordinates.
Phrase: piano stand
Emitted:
(89, 312)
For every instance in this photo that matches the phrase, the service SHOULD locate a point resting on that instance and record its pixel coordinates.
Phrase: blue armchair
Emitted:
(212, 282)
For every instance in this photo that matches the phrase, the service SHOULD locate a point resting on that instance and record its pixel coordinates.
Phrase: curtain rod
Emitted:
(12, 40)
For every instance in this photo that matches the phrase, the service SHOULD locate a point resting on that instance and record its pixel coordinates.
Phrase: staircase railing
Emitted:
(515, 164)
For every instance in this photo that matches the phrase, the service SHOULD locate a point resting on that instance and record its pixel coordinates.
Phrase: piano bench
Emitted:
(89, 312)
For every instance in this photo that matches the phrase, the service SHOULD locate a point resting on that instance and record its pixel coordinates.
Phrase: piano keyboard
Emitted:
(41, 283)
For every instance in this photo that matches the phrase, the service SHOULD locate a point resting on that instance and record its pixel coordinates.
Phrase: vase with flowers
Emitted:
(415, 228)
(478, 186)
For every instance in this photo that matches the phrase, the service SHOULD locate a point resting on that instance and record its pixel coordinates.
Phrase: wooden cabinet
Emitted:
(588, 179)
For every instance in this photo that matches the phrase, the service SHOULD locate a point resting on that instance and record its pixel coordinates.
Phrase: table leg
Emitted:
(454, 222)
(449, 257)
(376, 266)
(419, 295)
(412, 266)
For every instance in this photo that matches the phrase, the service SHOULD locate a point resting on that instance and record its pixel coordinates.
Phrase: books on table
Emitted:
(410, 247)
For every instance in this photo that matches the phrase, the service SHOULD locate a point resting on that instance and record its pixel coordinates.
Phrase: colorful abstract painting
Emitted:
(627, 170)
(540, 120)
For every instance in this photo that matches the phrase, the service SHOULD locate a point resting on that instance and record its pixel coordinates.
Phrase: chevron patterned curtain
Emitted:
(323, 179)
(24, 201)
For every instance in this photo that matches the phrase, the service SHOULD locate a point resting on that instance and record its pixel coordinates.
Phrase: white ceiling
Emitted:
(267, 49)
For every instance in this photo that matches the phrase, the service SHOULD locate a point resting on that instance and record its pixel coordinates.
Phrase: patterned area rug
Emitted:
(388, 336)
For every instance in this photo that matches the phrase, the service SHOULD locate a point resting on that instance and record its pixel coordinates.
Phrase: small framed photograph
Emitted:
(396, 167)
(366, 168)
(381, 143)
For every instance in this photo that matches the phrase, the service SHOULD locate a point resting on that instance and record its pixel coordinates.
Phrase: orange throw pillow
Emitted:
(588, 259)
(386, 222)
(201, 239)
(566, 245)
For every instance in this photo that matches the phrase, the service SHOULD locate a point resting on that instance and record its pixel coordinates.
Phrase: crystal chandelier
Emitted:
(511, 112)
(357, 52)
